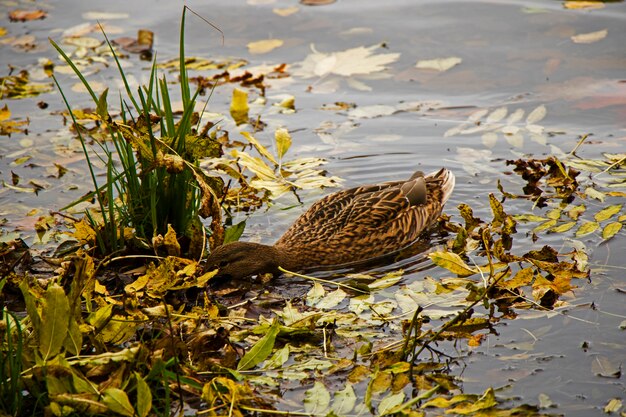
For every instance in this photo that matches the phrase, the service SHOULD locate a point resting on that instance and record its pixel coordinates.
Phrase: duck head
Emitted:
(239, 260)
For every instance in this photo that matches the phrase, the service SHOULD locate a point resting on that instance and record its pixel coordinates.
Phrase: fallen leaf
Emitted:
(286, 11)
(583, 4)
(355, 61)
(104, 16)
(439, 64)
(317, 2)
(587, 228)
(590, 37)
(239, 106)
(264, 46)
(611, 230)
(26, 15)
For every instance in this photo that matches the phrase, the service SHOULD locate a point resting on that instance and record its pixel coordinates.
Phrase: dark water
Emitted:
(515, 54)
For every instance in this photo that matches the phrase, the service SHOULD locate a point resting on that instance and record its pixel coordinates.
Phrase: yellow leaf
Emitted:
(256, 165)
(452, 262)
(3, 31)
(264, 46)
(575, 212)
(590, 37)
(563, 227)
(286, 11)
(283, 141)
(545, 226)
(522, 278)
(260, 148)
(582, 4)
(5, 113)
(439, 64)
(607, 212)
(593, 193)
(239, 106)
(611, 230)
(587, 228)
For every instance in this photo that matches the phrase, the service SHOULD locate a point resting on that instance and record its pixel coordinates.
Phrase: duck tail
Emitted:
(447, 182)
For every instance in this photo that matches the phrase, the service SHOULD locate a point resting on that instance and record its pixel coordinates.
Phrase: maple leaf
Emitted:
(355, 61)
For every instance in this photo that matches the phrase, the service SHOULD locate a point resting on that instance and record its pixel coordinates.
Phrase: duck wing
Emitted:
(368, 221)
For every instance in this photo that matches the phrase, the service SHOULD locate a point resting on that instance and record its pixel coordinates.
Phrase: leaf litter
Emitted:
(158, 298)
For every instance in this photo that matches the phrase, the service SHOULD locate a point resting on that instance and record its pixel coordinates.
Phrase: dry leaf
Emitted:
(264, 46)
(355, 61)
(286, 11)
(104, 16)
(581, 4)
(26, 15)
(439, 64)
(590, 37)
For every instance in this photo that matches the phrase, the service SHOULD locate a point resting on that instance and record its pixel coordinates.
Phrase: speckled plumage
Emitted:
(348, 226)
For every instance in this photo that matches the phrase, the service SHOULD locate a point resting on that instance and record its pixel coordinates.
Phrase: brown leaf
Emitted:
(26, 15)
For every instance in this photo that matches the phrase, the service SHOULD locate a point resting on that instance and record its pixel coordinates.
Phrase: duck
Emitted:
(345, 227)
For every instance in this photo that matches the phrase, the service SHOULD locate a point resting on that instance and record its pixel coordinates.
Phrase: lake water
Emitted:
(517, 56)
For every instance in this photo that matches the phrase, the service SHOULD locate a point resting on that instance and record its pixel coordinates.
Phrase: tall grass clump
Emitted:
(153, 184)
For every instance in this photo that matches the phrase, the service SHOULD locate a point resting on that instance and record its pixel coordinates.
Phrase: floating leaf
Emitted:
(522, 278)
(497, 115)
(286, 11)
(583, 4)
(261, 349)
(575, 212)
(439, 64)
(264, 46)
(562, 228)
(332, 299)
(355, 61)
(452, 262)
(389, 402)
(587, 228)
(26, 15)
(611, 230)
(239, 106)
(593, 193)
(536, 115)
(590, 37)
(528, 218)
(608, 212)
(317, 399)
(606, 367)
(545, 226)
(613, 406)
(344, 400)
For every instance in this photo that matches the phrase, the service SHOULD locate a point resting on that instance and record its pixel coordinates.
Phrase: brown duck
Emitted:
(345, 227)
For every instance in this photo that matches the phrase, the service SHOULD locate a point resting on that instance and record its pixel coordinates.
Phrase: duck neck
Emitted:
(284, 258)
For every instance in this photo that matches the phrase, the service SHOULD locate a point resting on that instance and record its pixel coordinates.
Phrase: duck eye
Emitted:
(222, 264)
